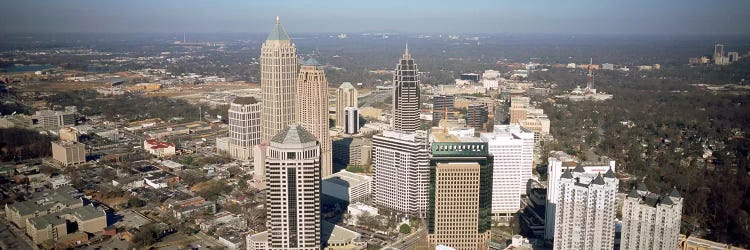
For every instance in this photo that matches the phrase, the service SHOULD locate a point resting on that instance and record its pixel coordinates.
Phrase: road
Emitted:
(407, 242)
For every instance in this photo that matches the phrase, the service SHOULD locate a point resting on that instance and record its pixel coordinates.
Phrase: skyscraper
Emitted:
(460, 195)
(351, 120)
(278, 72)
(312, 109)
(512, 149)
(401, 171)
(406, 94)
(650, 220)
(558, 162)
(476, 115)
(346, 96)
(244, 127)
(293, 193)
(442, 104)
(585, 211)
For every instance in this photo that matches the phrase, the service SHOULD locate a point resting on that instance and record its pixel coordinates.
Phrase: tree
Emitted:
(404, 229)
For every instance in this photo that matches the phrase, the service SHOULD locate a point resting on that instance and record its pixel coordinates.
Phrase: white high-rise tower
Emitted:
(278, 74)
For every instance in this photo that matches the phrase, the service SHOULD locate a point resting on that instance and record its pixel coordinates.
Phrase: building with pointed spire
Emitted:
(278, 73)
(406, 94)
(312, 109)
(346, 96)
(651, 220)
(585, 210)
(293, 193)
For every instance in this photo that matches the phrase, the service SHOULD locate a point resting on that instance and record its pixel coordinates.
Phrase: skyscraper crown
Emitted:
(278, 33)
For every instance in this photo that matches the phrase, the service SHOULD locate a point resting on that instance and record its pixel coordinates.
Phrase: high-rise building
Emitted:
(244, 127)
(346, 96)
(650, 220)
(558, 162)
(518, 108)
(293, 193)
(719, 57)
(312, 109)
(401, 171)
(406, 94)
(733, 56)
(512, 149)
(48, 119)
(68, 153)
(476, 115)
(442, 104)
(278, 73)
(351, 120)
(585, 211)
(460, 195)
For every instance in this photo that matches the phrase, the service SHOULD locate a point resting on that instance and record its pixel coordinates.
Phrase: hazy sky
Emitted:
(464, 16)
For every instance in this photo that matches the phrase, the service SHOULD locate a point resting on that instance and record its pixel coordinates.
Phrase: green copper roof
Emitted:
(278, 33)
(294, 134)
(311, 62)
(346, 85)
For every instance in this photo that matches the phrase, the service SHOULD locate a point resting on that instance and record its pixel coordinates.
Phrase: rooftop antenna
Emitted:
(200, 113)
(277, 20)
(184, 37)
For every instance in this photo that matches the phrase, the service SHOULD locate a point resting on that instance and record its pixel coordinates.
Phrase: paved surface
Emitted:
(409, 241)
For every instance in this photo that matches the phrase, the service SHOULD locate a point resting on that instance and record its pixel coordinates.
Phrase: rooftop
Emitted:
(294, 134)
(245, 100)
(346, 178)
(278, 33)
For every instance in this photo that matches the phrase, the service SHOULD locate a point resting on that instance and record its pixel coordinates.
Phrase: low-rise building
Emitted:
(695, 243)
(56, 225)
(19, 212)
(159, 148)
(68, 153)
(347, 186)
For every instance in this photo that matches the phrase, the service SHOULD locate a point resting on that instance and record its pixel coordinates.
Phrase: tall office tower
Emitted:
(293, 194)
(650, 220)
(718, 50)
(312, 109)
(401, 171)
(278, 72)
(476, 115)
(442, 104)
(406, 94)
(244, 127)
(733, 56)
(512, 149)
(460, 195)
(558, 162)
(346, 96)
(518, 108)
(585, 212)
(351, 120)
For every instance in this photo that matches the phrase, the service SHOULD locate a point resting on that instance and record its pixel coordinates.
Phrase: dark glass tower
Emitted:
(406, 94)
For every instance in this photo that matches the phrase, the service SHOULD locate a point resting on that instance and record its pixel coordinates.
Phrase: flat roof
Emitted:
(346, 178)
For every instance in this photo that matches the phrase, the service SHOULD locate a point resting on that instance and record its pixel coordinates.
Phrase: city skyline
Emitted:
(580, 17)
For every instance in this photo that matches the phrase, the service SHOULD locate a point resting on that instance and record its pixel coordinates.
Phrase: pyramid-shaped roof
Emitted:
(294, 134)
(634, 193)
(278, 33)
(665, 200)
(346, 85)
(579, 169)
(598, 180)
(610, 174)
(311, 62)
(675, 193)
(567, 175)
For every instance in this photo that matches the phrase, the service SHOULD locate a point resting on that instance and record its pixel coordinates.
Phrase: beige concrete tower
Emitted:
(312, 109)
(346, 96)
(278, 70)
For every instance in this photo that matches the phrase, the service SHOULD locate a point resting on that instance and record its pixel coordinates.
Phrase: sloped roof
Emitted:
(294, 134)
(579, 169)
(278, 33)
(610, 174)
(634, 193)
(675, 193)
(598, 180)
(642, 187)
(311, 62)
(665, 200)
(567, 175)
(346, 85)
